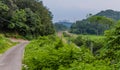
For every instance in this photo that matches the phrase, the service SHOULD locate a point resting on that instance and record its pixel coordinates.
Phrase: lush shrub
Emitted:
(95, 65)
(65, 34)
(79, 41)
(50, 53)
(5, 44)
(91, 42)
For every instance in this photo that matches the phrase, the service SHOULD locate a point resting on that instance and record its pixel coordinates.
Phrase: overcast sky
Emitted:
(73, 10)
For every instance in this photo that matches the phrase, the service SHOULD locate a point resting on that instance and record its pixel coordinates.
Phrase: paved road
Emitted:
(12, 59)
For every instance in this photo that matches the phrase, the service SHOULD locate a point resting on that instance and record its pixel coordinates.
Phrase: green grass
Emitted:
(70, 36)
(86, 37)
(93, 37)
(5, 44)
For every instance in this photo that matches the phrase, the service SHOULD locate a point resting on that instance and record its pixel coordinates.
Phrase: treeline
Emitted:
(60, 27)
(110, 14)
(28, 18)
(93, 25)
(96, 24)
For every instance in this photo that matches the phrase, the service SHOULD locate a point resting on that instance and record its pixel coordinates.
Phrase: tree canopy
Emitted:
(29, 18)
(110, 14)
(96, 24)
(92, 25)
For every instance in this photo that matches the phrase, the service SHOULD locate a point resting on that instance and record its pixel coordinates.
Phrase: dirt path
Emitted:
(60, 36)
(12, 59)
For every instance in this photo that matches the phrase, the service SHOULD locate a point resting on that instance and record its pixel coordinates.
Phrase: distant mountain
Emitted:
(62, 25)
(110, 14)
(65, 23)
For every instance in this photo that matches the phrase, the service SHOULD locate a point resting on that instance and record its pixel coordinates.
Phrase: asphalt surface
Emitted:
(12, 59)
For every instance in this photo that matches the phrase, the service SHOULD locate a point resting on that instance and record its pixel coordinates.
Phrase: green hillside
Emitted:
(96, 24)
(27, 18)
(110, 14)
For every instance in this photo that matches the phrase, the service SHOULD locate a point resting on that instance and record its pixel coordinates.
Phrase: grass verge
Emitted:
(5, 44)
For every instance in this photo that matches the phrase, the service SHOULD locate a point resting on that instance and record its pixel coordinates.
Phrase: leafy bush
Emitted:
(94, 43)
(42, 54)
(65, 34)
(112, 49)
(5, 44)
(79, 41)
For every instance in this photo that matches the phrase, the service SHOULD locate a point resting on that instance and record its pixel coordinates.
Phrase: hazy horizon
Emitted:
(73, 10)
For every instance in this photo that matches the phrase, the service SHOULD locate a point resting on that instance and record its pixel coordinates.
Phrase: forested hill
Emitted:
(110, 14)
(100, 23)
(28, 18)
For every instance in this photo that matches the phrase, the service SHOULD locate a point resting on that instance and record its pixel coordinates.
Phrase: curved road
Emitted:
(12, 59)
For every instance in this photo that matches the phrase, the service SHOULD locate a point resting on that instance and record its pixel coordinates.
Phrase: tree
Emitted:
(28, 18)
(19, 19)
(3, 11)
(102, 21)
(95, 24)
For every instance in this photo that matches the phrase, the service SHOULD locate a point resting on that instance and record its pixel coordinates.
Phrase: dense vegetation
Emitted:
(113, 46)
(5, 44)
(96, 24)
(31, 19)
(50, 53)
(89, 53)
(110, 14)
(94, 43)
(28, 18)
